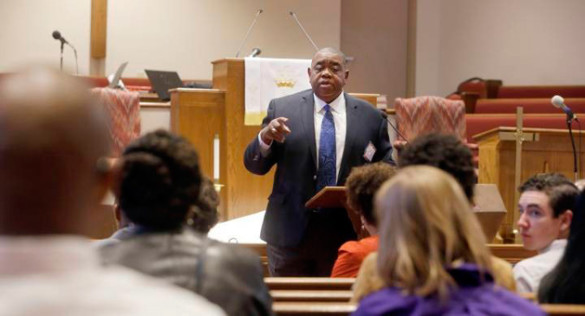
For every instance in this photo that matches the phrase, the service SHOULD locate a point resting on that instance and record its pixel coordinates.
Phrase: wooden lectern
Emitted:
(543, 151)
(336, 197)
(200, 115)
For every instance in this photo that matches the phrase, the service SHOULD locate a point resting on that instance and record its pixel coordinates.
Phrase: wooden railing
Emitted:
(342, 309)
(509, 252)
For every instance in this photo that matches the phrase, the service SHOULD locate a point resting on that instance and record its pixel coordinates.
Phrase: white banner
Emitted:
(269, 78)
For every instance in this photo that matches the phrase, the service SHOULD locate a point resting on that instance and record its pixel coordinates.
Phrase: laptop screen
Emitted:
(162, 81)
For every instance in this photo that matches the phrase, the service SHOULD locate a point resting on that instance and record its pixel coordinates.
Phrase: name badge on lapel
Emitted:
(369, 152)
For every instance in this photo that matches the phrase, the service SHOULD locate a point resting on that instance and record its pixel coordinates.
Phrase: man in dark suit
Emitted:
(314, 137)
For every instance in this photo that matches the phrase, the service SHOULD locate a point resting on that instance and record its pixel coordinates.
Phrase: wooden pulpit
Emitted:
(336, 197)
(543, 151)
(204, 115)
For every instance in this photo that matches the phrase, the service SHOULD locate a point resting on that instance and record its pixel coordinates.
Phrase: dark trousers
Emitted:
(317, 252)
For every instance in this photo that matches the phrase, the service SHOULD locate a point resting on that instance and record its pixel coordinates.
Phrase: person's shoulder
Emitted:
(349, 246)
(364, 245)
(528, 264)
(232, 256)
(295, 97)
(502, 273)
(505, 302)
(386, 301)
(145, 295)
(500, 264)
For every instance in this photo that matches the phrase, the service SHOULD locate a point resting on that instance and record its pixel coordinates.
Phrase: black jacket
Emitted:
(225, 274)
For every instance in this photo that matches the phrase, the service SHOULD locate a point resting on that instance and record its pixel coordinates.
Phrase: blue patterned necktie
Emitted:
(326, 173)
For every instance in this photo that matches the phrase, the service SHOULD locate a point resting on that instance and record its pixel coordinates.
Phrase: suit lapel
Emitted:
(308, 119)
(352, 122)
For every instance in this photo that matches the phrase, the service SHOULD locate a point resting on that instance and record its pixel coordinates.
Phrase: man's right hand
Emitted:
(275, 130)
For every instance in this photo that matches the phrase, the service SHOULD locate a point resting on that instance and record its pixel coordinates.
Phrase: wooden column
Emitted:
(99, 27)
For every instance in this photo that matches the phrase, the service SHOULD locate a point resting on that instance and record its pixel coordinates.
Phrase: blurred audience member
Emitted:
(159, 182)
(432, 255)
(545, 206)
(565, 284)
(449, 154)
(203, 215)
(445, 152)
(362, 184)
(52, 136)
(580, 184)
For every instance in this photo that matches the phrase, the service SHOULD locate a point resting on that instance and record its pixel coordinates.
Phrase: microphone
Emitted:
(255, 52)
(303, 29)
(57, 36)
(248, 32)
(558, 102)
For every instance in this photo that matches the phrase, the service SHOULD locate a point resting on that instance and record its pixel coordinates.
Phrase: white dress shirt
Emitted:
(61, 275)
(529, 272)
(337, 107)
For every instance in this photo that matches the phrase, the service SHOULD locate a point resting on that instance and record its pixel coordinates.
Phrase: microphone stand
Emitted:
(303, 29)
(61, 63)
(76, 61)
(569, 121)
(248, 32)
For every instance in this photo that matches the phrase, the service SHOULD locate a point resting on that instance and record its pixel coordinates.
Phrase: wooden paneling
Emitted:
(198, 115)
(371, 98)
(552, 152)
(99, 27)
(246, 193)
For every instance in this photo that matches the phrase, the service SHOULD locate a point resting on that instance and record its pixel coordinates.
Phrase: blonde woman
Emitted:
(432, 256)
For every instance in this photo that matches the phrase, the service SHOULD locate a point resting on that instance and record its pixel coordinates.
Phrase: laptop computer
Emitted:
(114, 79)
(163, 81)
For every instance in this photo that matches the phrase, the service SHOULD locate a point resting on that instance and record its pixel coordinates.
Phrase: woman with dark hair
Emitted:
(565, 284)
(160, 191)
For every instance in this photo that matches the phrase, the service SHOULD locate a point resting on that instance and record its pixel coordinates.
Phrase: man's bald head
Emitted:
(328, 73)
(51, 137)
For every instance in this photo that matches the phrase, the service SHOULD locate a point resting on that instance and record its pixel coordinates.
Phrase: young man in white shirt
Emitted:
(546, 210)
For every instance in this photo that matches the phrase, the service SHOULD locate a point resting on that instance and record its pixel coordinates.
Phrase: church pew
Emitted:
(307, 308)
(541, 91)
(511, 252)
(308, 283)
(339, 309)
(340, 296)
(534, 106)
(563, 309)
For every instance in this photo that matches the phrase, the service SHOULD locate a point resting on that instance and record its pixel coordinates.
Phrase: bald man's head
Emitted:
(51, 137)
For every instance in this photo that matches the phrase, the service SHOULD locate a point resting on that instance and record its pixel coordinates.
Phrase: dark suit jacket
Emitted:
(296, 159)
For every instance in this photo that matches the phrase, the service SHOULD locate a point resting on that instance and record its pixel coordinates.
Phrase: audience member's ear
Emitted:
(566, 219)
(106, 170)
(121, 220)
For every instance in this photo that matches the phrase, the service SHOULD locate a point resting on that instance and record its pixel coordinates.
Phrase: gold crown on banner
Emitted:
(283, 83)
